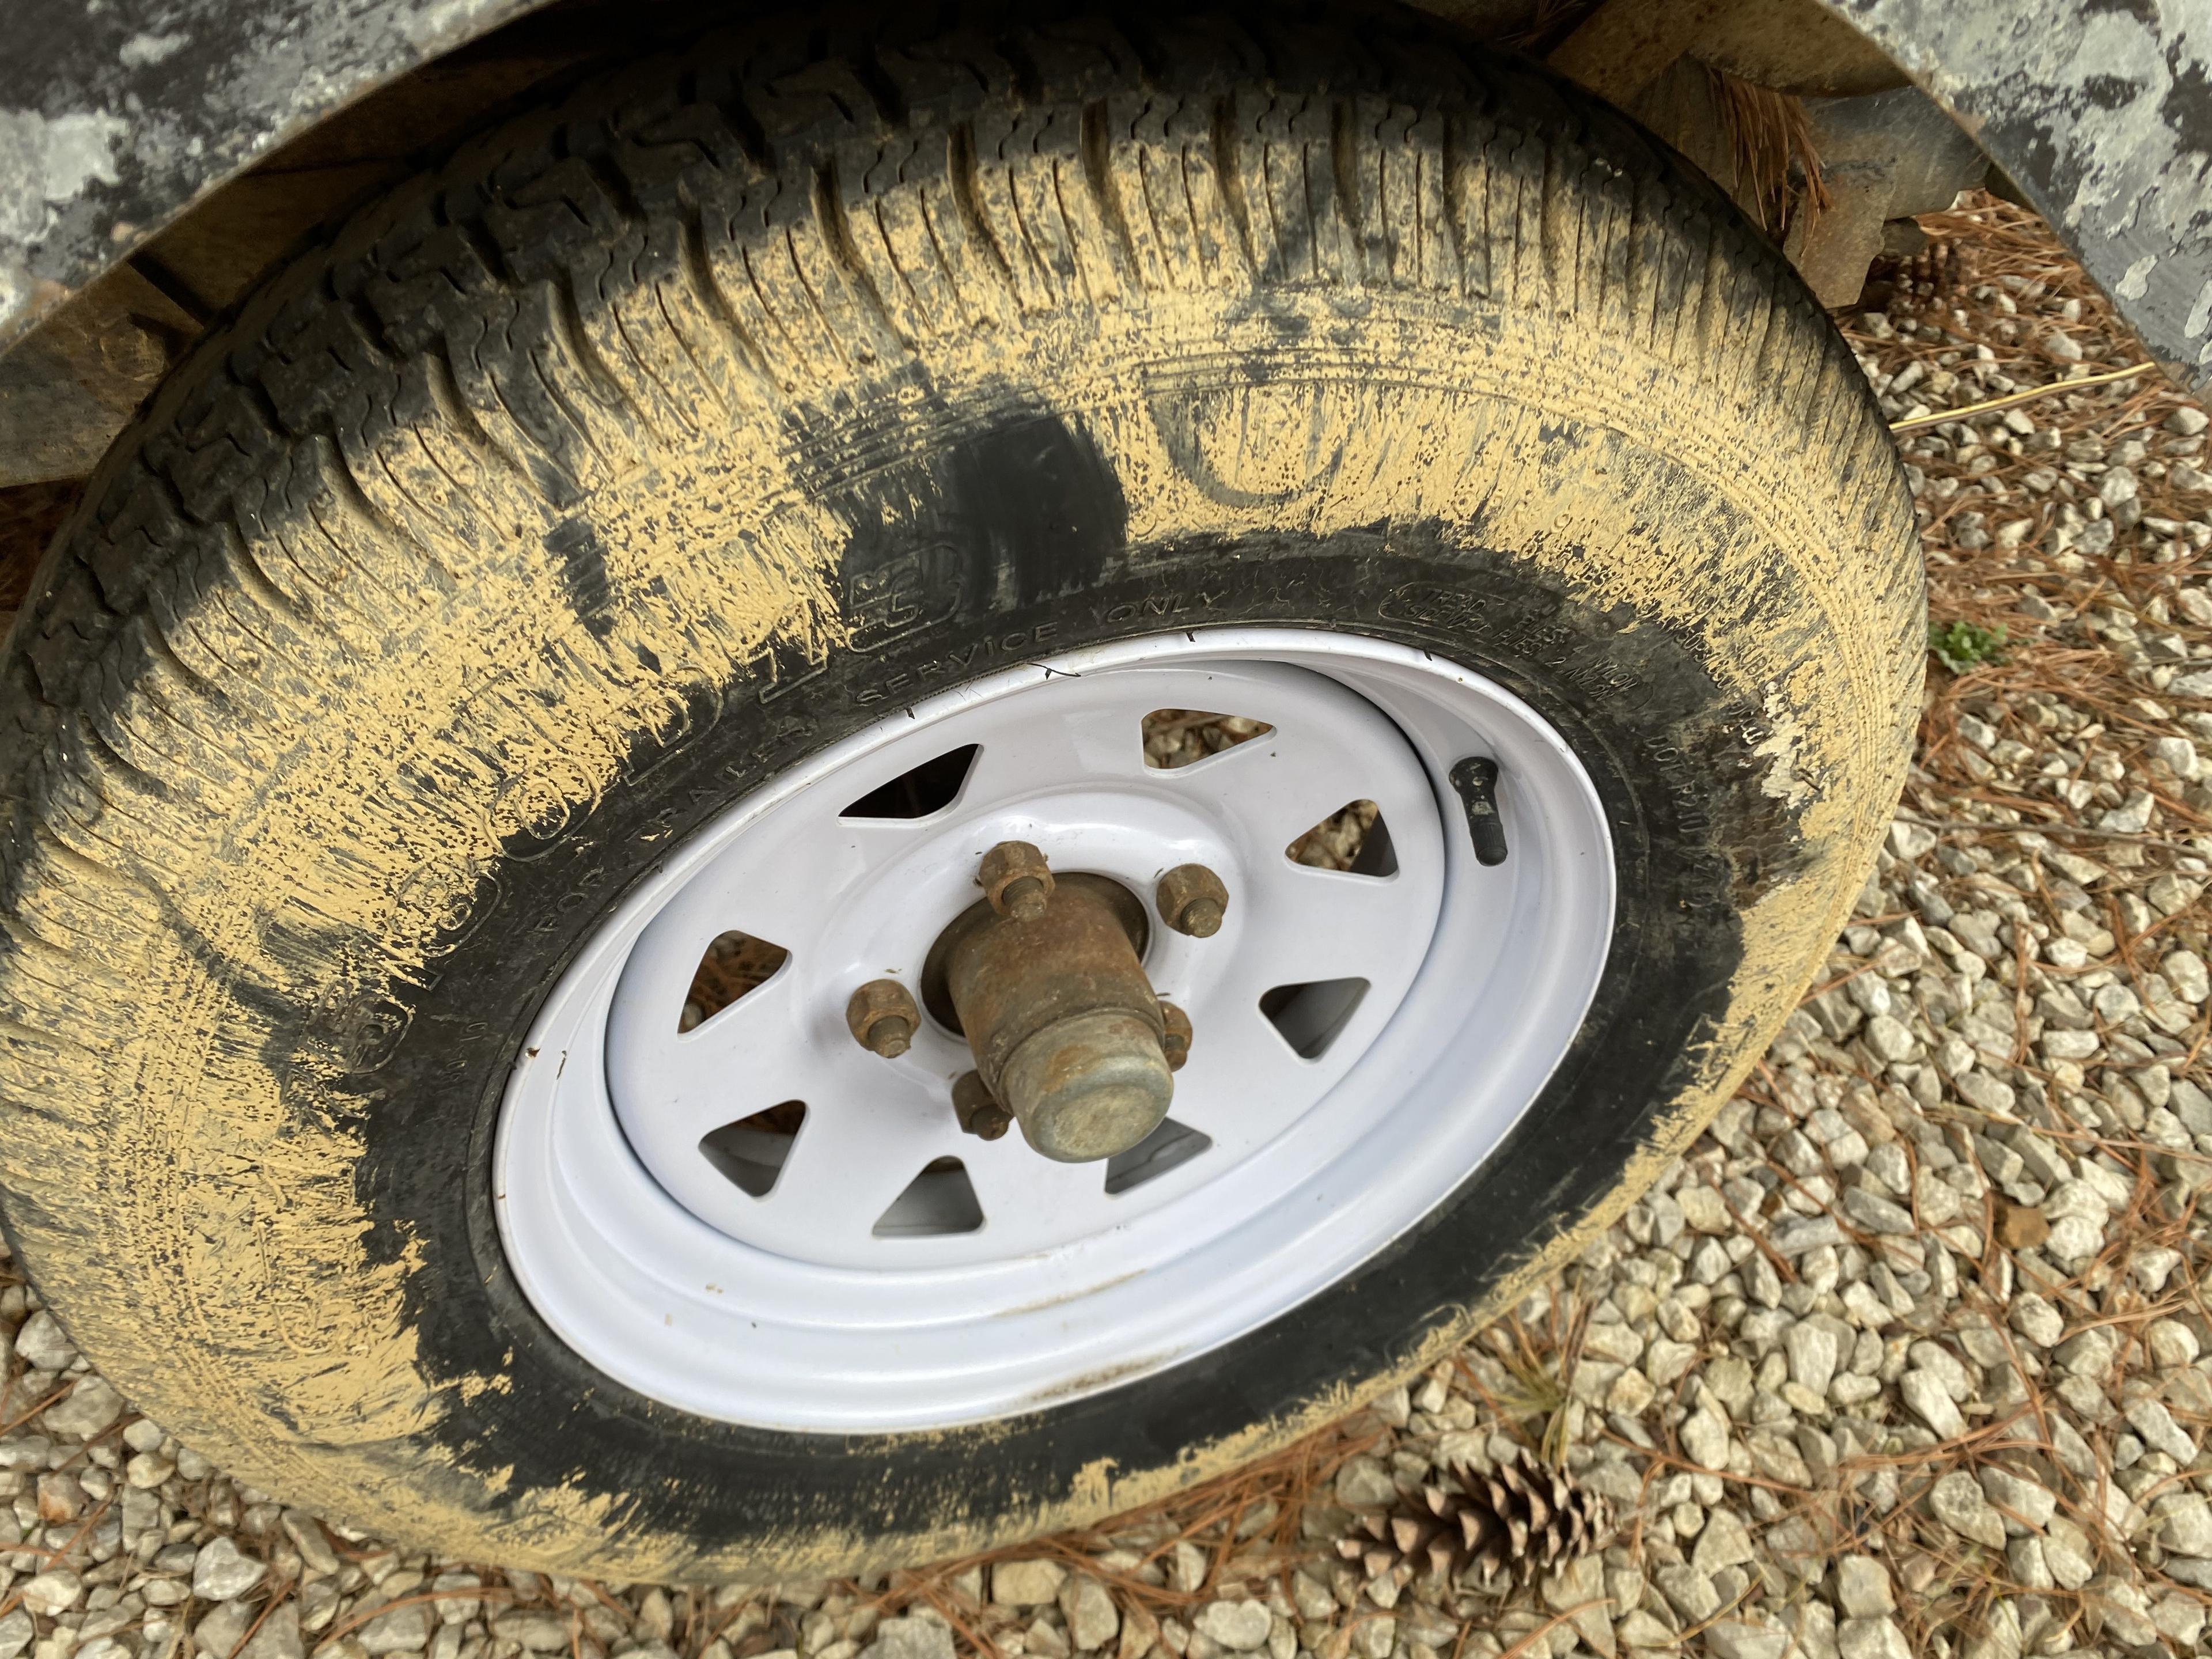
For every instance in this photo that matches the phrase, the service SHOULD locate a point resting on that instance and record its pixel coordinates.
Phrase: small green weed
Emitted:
(1959, 646)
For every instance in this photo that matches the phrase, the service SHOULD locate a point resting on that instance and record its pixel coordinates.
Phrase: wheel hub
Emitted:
(1066, 1032)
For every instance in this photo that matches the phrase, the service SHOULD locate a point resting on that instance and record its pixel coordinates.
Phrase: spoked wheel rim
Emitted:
(761, 1221)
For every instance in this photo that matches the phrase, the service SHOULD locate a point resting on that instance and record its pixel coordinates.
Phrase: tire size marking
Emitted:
(1018, 642)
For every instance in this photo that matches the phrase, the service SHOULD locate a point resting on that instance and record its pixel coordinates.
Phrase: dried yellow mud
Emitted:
(312, 757)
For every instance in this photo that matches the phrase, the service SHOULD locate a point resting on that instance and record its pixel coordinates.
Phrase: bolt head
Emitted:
(1024, 899)
(1175, 1040)
(979, 1114)
(1016, 879)
(882, 1018)
(1192, 900)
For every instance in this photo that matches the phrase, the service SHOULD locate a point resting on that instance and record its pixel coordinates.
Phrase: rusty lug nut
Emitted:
(1192, 900)
(1175, 1042)
(1016, 879)
(882, 1018)
(979, 1115)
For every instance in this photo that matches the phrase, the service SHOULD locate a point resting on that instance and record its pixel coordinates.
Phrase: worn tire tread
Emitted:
(775, 223)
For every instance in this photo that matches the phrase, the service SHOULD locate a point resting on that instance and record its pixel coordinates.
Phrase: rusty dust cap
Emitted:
(1089, 1086)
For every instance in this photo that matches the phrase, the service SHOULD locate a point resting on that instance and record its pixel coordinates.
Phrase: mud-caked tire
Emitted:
(668, 437)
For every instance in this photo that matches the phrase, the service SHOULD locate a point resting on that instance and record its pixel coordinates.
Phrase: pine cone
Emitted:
(1523, 1520)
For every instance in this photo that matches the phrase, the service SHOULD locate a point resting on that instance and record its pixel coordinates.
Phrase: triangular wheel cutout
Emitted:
(751, 1153)
(1352, 839)
(920, 791)
(735, 966)
(1312, 1016)
(941, 1199)
(1171, 1144)
(1184, 737)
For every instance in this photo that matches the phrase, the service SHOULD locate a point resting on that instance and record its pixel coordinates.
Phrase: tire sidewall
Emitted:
(446, 534)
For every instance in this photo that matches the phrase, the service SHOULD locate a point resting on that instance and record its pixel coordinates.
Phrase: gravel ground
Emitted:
(1908, 1357)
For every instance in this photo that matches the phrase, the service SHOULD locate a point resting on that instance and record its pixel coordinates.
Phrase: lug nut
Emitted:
(882, 1018)
(1016, 879)
(979, 1115)
(1192, 900)
(1175, 1042)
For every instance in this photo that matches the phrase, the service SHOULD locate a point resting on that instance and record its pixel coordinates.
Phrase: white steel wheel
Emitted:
(760, 1221)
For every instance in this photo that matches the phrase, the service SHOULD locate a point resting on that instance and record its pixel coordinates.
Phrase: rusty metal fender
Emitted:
(115, 115)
